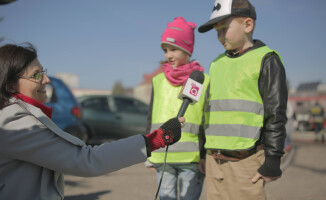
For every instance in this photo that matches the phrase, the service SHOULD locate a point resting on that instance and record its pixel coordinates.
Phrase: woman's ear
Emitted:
(10, 88)
(249, 24)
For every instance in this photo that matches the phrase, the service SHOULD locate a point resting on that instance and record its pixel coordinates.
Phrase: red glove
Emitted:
(169, 133)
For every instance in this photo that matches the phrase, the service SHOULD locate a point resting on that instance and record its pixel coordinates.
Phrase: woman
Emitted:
(34, 152)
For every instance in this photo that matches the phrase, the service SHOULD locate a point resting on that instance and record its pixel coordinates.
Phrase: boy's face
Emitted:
(175, 56)
(231, 33)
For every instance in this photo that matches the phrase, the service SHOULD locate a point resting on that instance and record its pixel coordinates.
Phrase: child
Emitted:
(177, 43)
(246, 107)
(317, 115)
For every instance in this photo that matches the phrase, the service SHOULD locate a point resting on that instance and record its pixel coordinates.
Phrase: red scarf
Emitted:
(45, 109)
(179, 75)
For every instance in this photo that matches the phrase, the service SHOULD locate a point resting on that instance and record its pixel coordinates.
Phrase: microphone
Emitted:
(191, 91)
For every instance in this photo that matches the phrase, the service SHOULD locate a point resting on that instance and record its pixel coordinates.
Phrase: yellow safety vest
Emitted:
(235, 112)
(317, 113)
(166, 106)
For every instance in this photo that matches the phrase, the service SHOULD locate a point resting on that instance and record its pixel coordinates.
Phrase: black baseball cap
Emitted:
(225, 8)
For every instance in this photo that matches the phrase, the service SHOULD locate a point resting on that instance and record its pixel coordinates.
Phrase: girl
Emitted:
(183, 158)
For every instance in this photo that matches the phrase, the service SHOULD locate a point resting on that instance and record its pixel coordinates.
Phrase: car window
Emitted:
(96, 104)
(125, 105)
(142, 107)
(130, 105)
(50, 92)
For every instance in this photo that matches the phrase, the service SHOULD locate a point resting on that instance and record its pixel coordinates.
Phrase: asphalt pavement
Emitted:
(304, 178)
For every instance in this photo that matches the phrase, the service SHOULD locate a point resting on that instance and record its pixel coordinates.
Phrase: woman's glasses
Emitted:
(38, 76)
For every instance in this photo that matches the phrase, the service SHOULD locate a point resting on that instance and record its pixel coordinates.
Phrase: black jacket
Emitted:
(273, 91)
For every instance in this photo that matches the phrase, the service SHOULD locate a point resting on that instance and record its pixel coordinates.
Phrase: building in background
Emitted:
(143, 90)
(72, 81)
(82, 92)
(302, 98)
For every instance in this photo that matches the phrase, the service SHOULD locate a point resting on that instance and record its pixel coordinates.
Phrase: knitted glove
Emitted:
(271, 167)
(169, 133)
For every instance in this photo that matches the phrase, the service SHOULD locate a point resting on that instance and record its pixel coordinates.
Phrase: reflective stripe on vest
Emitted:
(235, 112)
(166, 106)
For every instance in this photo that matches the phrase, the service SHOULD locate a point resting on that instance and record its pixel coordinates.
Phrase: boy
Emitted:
(246, 113)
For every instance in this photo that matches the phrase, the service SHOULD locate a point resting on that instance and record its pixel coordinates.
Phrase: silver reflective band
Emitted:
(181, 147)
(188, 128)
(235, 105)
(233, 130)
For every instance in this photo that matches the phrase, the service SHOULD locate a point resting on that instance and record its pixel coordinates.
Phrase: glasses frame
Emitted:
(42, 73)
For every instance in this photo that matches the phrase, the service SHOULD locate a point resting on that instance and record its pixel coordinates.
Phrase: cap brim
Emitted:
(209, 25)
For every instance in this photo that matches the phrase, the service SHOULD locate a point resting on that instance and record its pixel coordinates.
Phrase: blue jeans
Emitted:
(190, 181)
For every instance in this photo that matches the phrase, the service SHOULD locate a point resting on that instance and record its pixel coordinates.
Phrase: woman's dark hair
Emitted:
(14, 59)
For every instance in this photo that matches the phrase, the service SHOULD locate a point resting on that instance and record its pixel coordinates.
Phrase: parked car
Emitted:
(113, 117)
(66, 110)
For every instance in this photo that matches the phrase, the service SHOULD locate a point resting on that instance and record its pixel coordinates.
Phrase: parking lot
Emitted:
(304, 177)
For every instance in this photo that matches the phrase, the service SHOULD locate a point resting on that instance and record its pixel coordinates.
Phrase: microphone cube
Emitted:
(191, 90)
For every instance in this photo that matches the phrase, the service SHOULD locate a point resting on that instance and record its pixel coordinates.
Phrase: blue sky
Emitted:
(108, 41)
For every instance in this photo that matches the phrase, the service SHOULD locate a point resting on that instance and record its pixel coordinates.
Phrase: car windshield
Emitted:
(96, 103)
(130, 105)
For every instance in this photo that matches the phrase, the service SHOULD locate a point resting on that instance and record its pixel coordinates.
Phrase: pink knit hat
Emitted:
(180, 33)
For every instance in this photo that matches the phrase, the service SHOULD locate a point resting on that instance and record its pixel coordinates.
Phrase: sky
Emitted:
(104, 42)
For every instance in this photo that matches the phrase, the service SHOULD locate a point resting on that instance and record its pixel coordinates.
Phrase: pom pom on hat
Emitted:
(180, 34)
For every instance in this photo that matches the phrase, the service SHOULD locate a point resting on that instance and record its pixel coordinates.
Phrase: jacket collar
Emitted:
(44, 119)
(45, 109)
(235, 54)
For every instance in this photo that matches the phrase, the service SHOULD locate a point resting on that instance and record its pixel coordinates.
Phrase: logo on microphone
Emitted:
(194, 89)
(168, 136)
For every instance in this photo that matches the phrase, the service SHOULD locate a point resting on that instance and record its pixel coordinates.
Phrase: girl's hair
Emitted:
(14, 59)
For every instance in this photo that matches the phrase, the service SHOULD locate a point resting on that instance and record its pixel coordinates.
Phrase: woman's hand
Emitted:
(168, 134)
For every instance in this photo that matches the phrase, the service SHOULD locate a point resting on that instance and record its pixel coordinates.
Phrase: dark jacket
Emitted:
(273, 91)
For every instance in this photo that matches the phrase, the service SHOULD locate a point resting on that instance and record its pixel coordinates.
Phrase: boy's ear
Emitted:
(249, 24)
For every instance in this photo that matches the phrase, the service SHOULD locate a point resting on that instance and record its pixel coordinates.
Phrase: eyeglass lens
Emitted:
(39, 75)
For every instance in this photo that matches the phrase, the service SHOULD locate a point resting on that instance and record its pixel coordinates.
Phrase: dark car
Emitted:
(113, 117)
(66, 110)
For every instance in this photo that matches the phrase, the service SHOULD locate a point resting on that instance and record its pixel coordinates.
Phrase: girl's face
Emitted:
(33, 81)
(175, 56)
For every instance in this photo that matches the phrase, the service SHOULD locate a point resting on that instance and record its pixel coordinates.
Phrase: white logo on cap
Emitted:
(221, 8)
(217, 7)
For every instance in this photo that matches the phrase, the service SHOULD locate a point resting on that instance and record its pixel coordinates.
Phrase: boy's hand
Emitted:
(202, 165)
(266, 178)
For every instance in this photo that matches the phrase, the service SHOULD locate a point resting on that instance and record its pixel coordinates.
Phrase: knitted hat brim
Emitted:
(183, 49)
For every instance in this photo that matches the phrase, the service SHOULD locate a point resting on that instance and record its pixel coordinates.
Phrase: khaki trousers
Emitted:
(231, 180)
